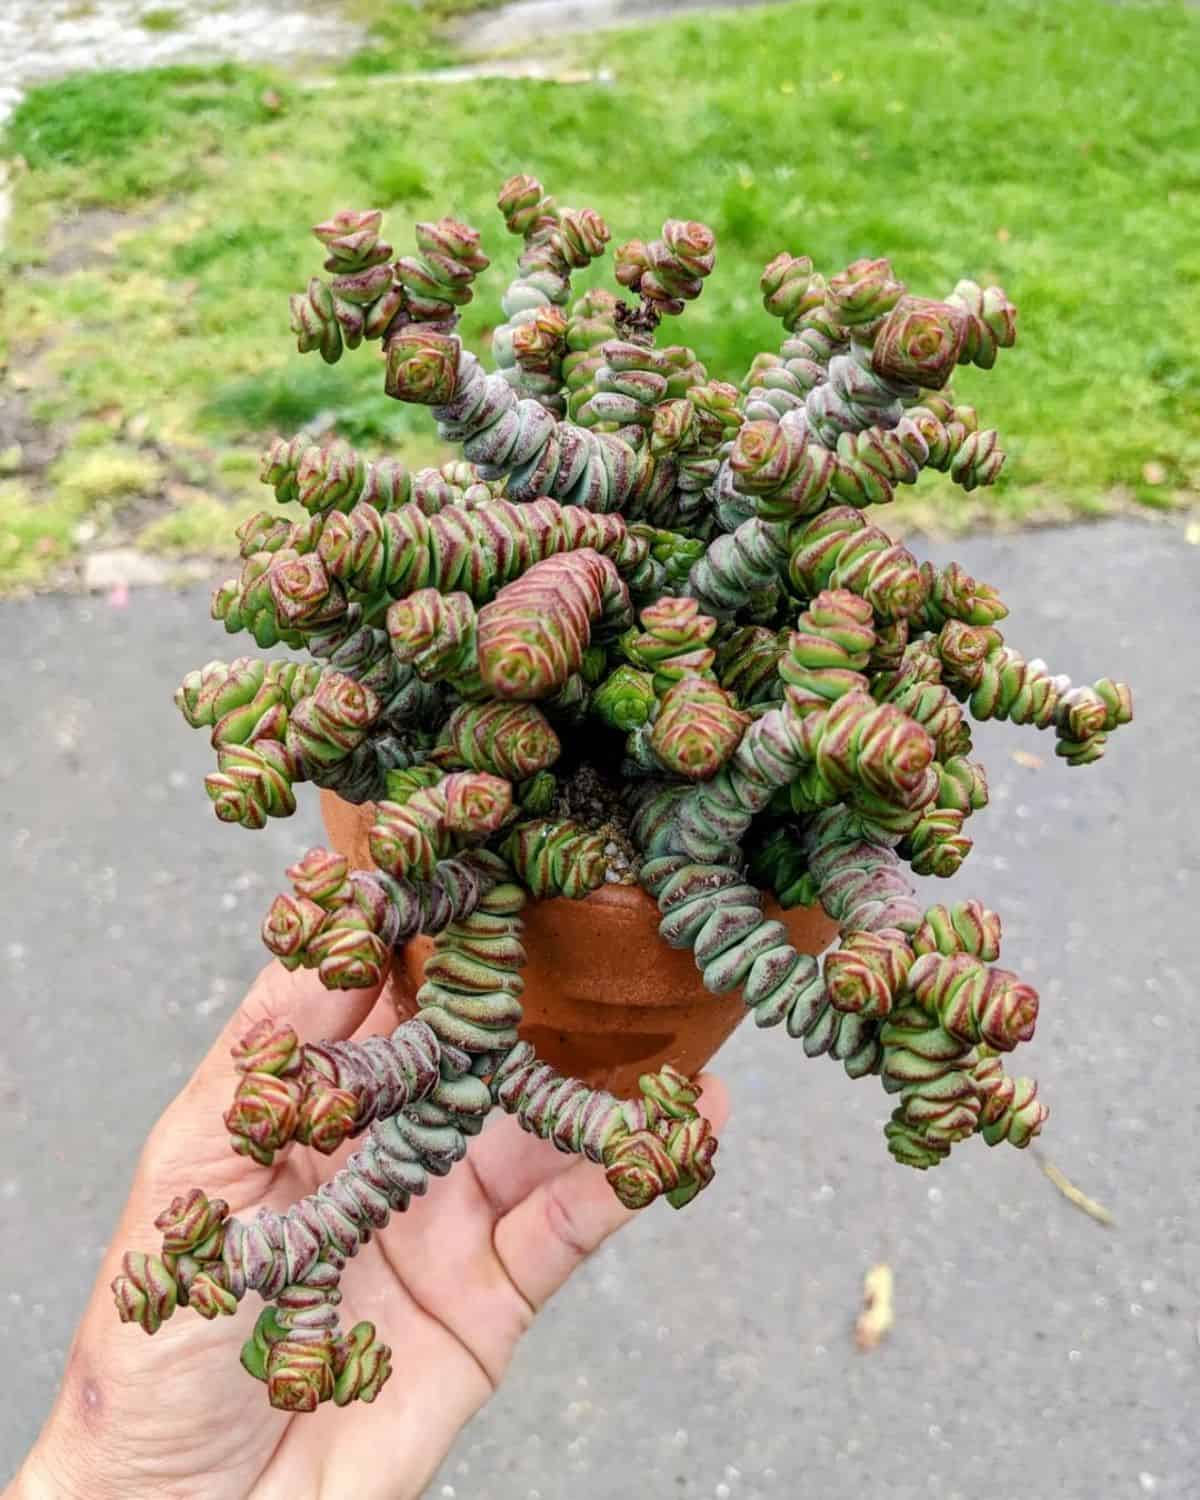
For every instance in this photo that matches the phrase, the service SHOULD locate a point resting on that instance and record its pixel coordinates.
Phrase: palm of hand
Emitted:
(451, 1285)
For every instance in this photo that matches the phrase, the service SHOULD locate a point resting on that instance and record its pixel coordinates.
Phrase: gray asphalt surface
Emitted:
(708, 1354)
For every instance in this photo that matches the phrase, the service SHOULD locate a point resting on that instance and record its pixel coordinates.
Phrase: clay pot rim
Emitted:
(627, 897)
(633, 899)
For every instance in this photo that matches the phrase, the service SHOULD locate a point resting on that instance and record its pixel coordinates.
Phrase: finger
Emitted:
(553, 1231)
(508, 1175)
(714, 1102)
(388, 1012)
(296, 998)
(191, 1128)
(547, 1236)
(510, 1163)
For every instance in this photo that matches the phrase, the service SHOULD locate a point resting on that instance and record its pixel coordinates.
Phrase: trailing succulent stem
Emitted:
(641, 628)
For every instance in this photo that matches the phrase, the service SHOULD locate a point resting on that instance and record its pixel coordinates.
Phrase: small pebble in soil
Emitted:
(588, 798)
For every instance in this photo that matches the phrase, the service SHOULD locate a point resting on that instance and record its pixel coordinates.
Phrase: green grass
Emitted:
(164, 18)
(1055, 149)
(201, 526)
(35, 539)
(115, 138)
(87, 489)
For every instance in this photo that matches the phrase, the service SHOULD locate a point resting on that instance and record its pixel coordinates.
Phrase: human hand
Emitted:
(452, 1285)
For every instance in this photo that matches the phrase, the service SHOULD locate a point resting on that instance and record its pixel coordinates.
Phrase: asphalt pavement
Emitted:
(711, 1353)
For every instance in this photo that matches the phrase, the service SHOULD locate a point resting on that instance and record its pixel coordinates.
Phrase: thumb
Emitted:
(546, 1237)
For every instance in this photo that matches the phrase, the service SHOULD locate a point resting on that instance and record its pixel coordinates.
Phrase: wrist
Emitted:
(55, 1470)
(28, 1483)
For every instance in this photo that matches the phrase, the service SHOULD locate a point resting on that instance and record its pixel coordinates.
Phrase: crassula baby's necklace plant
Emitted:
(640, 577)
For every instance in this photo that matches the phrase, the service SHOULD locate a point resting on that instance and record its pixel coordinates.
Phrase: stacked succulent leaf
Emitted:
(673, 579)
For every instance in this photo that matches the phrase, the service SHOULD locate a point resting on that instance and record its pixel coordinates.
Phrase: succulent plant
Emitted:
(667, 582)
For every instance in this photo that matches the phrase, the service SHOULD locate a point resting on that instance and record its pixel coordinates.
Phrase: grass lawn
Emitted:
(161, 218)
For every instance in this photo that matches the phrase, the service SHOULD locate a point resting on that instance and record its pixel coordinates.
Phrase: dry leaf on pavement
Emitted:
(877, 1315)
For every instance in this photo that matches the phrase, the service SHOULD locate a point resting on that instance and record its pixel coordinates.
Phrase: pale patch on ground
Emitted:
(44, 39)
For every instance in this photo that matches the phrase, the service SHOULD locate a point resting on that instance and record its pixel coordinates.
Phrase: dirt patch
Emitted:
(85, 239)
(529, 22)
(27, 448)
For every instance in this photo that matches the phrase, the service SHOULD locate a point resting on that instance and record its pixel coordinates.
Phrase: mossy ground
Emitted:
(160, 221)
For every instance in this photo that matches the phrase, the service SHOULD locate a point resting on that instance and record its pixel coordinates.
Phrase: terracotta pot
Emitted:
(605, 998)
